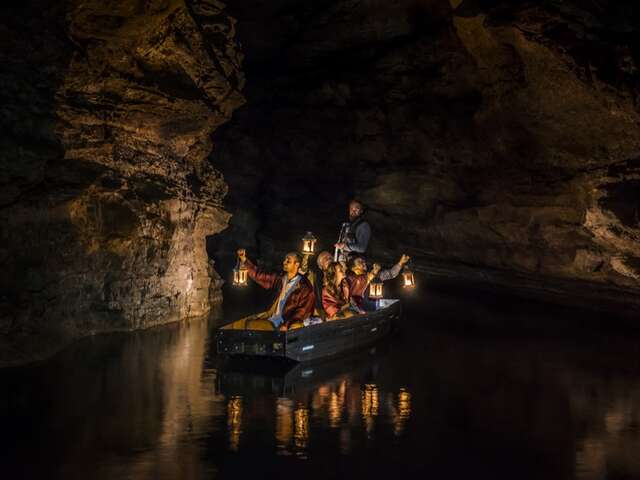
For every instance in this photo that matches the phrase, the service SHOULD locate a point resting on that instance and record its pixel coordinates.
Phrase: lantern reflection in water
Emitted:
(403, 411)
(370, 404)
(301, 433)
(284, 424)
(234, 422)
(330, 398)
(335, 409)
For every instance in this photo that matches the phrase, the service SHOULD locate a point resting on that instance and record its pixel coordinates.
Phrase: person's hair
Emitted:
(329, 281)
(324, 253)
(353, 259)
(295, 255)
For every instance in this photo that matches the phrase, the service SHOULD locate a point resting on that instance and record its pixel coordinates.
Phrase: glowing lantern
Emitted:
(309, 244)
(407, 278)
(375, 290)
(240, 275)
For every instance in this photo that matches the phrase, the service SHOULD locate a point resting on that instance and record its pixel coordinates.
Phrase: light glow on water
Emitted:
(157, 404)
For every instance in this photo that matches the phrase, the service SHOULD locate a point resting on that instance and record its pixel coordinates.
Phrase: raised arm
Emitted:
(390, 273)
(266, 280)
(393, 272)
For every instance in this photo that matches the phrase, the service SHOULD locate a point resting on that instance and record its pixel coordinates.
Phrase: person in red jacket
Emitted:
(359, 278)
(336, 298)
(296, 297)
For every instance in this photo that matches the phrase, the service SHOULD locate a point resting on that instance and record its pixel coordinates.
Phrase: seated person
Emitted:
(295, 299)
(359, 278)
(335, 293)
(315, 276)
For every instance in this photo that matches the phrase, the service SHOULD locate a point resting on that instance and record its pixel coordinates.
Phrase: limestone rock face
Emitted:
(107, 193)
(491, 140)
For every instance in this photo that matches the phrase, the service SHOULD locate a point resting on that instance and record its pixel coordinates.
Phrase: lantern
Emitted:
(308, 244)
(407, 278)
(240, 275)
(375, 290)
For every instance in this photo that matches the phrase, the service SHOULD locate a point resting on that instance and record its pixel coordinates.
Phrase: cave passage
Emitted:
(495, 142)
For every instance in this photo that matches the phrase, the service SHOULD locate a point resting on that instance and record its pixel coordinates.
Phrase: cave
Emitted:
(497, 143)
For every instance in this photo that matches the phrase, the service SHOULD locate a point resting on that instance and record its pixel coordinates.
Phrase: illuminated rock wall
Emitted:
(107, 192)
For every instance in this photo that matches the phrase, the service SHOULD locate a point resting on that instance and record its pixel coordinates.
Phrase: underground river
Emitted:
(467, 387)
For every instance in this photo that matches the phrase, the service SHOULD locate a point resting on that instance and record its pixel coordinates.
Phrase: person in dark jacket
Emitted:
(296, 298)
(356, 234)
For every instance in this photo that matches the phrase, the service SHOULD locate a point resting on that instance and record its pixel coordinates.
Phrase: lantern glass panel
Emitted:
(375, 290)
(308, 243)
(240, 276)
(407, 279)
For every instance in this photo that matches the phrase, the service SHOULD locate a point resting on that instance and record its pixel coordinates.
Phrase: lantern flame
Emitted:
(375, 290)
(240, 276)
(309, 243)
(408, 281)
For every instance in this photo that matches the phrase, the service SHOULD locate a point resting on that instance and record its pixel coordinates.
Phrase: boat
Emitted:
(316, 341)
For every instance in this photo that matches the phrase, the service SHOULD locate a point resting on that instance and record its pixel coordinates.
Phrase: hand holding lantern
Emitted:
(408, 281)
(240, 274)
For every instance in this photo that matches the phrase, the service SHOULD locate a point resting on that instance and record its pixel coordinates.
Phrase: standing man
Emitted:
(295, 298)
(357, 234)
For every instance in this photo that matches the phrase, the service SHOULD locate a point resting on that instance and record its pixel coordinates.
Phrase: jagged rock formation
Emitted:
(107, 195)
(494, 141)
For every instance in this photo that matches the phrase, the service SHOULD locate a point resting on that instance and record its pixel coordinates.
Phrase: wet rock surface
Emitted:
(495, 142)
(107, 195)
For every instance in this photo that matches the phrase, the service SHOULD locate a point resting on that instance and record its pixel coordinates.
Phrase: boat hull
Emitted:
(323, 340)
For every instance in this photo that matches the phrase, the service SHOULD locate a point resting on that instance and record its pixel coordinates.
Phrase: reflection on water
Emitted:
(370, 403)
(159, 405)
(284, 424)
(401, 411)
(234, 422)
(301, 432)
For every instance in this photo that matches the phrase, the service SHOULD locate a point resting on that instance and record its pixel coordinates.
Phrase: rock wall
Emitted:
(107, 194)
(496, 142)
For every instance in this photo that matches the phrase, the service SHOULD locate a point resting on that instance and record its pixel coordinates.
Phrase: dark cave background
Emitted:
(479, 134)
(498, 143)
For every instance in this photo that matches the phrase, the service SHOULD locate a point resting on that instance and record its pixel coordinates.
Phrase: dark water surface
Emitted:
(455, 393)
